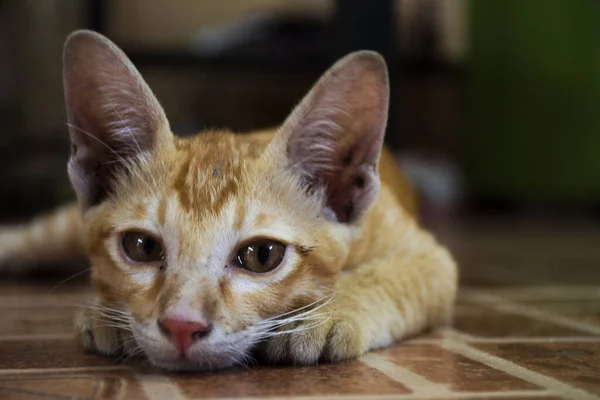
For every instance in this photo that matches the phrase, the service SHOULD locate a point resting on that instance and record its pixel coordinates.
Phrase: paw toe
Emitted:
(343, 342)
(307, 346)
(276, 349)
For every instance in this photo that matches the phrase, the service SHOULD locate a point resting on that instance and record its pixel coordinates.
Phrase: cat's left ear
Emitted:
(113, 115)
(334, 137)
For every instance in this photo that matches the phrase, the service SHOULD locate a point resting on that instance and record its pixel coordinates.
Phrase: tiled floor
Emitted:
(527, 326)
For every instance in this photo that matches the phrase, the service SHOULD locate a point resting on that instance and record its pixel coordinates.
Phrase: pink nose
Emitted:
(183, 333)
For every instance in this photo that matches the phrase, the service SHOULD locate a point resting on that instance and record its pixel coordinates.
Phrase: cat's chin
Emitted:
(217, 352)
(187, 365)
(194, 361)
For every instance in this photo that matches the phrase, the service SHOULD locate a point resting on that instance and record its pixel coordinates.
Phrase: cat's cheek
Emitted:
(153, 344)
(143, 277)
(258, 295)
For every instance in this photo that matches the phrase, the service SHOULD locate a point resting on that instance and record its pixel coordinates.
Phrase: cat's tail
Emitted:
(48, 240)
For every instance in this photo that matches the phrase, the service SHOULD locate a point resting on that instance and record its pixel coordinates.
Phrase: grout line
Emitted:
(122, 390)
(505, 340)
(109, 368)
(466, 337)
(100, 388)
(410, 342)
(509, 367)
(415, 382)
(543, 293)
(34, 301)
(507, 306)
(517, 394)
(160, 387)
(36, 336)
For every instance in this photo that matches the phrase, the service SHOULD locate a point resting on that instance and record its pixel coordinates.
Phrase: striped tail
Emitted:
(47, 240)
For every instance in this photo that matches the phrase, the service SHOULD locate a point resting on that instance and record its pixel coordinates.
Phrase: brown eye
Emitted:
(142, 248)
(261, 256)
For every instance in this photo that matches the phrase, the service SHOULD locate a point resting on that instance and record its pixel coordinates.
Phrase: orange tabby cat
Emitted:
(300, 242)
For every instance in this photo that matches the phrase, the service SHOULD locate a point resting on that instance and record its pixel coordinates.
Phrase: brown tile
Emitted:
(457, 372)
(37, 321)
(503, 270)
(434, 336)
(487, 322)
(48, 354)
(508, 262)
(68, 300)
(46, 287)
(465, 308)
(507, 397)
(506, 254)
(72, 385)
(586, 311)
(327, 379)
(523, 294)
(575, 363)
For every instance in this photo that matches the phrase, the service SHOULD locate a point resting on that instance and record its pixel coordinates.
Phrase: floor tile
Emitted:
(455, 371)
(575, 363)
(324, 380)
(530, 302)
(586, 311)
(71, 385)
(485, 321)
(34, 321)
(33, 354)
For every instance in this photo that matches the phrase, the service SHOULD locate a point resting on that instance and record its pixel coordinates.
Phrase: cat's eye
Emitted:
(142, 248)
(260, 256)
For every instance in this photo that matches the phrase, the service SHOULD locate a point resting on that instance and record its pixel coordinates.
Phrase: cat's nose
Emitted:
(183, 333)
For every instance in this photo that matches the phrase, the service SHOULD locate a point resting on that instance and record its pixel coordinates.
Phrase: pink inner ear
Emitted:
(335, 135)
(113, 115)
(106, 95)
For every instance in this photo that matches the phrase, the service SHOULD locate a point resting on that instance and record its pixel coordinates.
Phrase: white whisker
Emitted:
(329, 300)
(300, 319)
(302, 328)
(68, 279)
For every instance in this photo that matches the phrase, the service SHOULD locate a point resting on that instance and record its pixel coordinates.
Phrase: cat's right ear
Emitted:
(113, 115)
(333, 138)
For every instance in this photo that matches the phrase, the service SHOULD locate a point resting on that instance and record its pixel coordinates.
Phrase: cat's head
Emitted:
(207, 243)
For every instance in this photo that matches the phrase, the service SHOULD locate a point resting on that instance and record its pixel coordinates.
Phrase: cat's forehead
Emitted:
(210, 168)
(224, 151)
(214, 178)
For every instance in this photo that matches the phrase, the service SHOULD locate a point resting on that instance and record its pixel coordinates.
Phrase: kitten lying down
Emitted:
(299, 244)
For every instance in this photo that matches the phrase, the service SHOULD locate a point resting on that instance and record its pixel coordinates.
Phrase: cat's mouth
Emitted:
(219, 350)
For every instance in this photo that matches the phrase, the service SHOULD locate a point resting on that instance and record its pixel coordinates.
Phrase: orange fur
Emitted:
(353, 278)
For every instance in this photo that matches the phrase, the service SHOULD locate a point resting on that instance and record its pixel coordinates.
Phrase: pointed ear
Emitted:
(113, 115)
(334, 136)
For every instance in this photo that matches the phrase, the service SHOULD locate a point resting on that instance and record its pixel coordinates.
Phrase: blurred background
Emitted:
(495, 104)
(494, 115)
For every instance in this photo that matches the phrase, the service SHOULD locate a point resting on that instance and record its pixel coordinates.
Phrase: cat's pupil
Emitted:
(263, 253)
(261, 256)
(148, 245)
(141, 248)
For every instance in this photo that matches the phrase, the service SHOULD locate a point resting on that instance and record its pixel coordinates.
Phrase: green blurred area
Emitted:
(533, 95)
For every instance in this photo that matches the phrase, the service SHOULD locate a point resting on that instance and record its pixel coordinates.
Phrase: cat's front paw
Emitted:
(335, 339)
(100, 334)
